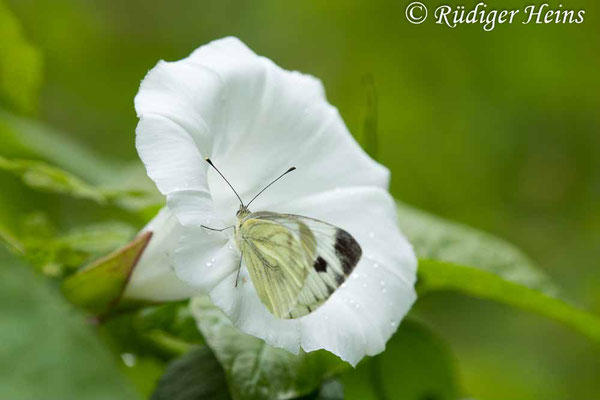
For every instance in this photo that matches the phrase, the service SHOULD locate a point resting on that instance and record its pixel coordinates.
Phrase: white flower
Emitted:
(254, 120)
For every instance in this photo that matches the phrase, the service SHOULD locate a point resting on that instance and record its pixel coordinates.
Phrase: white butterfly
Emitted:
(295, 262)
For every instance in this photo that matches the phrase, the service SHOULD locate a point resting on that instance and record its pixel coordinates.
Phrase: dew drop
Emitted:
(375, 265)
(384, 290)
(357, 306)
(372, 235)
(209, 264)
(382, 283)
(355, 276)
(128, 359)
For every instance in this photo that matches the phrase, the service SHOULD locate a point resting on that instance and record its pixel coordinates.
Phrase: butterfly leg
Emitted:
(215, 229)
(237, 277)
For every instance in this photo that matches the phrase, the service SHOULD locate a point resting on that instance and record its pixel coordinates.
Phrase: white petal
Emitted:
(170, 155)
(204, 258)
(153, 277)
(254, 119)
(360, 317)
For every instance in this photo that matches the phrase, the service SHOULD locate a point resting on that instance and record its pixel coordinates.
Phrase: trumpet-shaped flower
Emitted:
(255, 120)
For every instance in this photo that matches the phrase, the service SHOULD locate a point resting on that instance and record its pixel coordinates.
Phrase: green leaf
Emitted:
(20, 66)
(174, 318)
(437, 275)
(47, 350)
(415, 366)
(58, 254)
(42, 176)
(255, 370)
(25, 138)
(125, 186)
(141, 340)
(437, 239)
(455, 257)
(195, 376)
(99, 286)
(22, 138)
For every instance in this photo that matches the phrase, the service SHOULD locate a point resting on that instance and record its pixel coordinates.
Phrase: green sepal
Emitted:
(98, 287)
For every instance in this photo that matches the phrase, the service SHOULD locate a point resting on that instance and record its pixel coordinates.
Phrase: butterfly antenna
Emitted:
(225, 179)
(266, 187)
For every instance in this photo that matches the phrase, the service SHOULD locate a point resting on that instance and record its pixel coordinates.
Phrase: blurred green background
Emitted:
(498, 130)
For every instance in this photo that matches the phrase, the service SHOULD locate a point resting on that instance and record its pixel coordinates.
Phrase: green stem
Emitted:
(437, 275)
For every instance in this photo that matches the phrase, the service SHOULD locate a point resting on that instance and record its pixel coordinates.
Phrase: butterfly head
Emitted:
(242, 212)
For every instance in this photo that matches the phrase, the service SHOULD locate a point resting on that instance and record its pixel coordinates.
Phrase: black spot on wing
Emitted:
(347, 250)
(320, 264)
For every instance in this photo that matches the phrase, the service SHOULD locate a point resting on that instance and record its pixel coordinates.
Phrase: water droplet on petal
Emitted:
(384, 290)
(372, 235)
(375, 265)
(357, 306)
(209, 264)
(355, 276)
(382, 283)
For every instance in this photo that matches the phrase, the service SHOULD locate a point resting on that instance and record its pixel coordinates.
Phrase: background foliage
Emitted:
(496, 130)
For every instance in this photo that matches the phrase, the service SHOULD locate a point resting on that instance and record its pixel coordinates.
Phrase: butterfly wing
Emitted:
(278, 260)
(326, 253)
